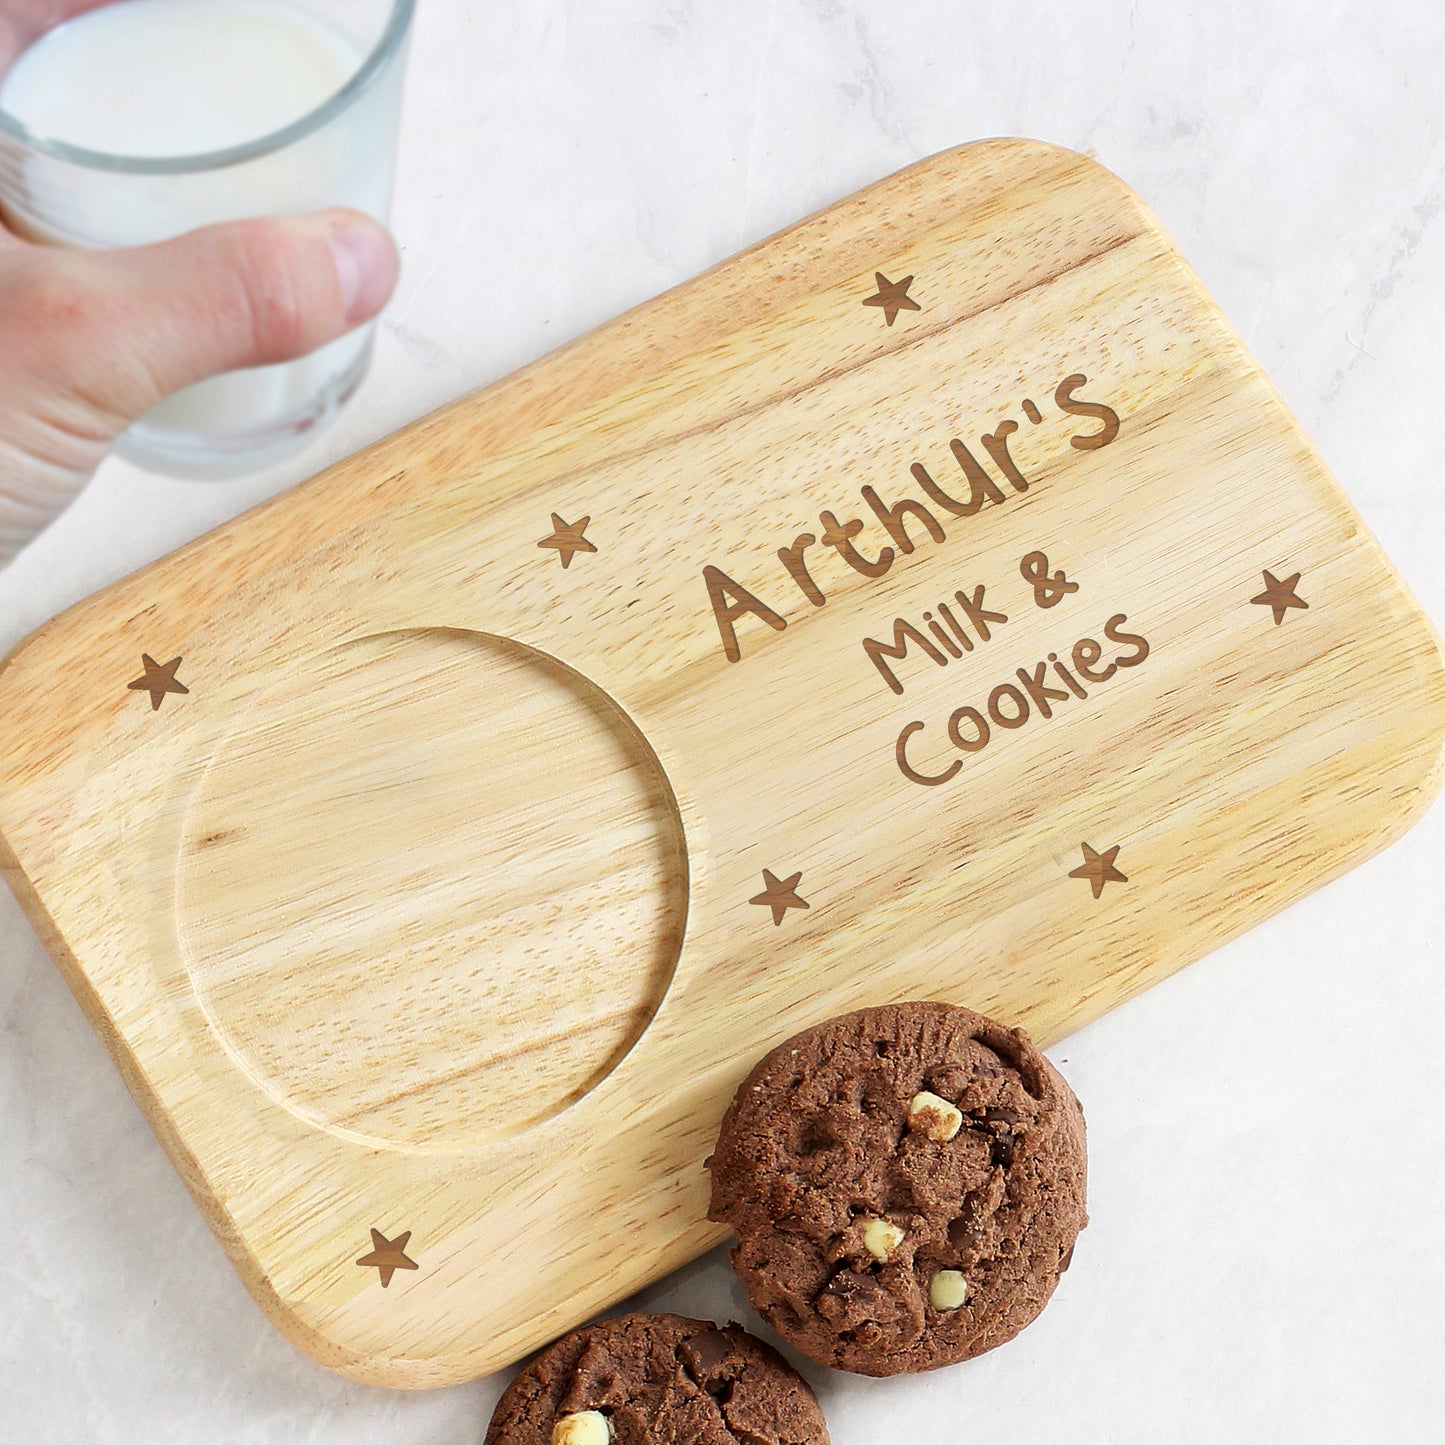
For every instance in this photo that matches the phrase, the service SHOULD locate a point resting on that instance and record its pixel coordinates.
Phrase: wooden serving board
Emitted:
(935, 601)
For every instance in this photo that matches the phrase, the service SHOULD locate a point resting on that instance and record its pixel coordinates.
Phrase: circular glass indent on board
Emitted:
(432, 888)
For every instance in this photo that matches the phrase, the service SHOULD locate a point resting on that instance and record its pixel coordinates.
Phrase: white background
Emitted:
(1265, 1261)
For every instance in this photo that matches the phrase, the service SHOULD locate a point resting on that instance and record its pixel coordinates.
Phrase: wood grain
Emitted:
(434, 923)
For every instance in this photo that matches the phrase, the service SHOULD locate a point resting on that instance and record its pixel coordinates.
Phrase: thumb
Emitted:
(91, 339)
(246, 293)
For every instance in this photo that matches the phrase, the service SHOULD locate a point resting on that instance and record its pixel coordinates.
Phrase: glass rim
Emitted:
(387, 45)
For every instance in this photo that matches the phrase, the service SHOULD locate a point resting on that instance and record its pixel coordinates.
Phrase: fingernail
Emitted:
(366, 267)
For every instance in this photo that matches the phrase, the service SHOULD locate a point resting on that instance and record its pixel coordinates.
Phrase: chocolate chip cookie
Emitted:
(906, 1184)
(658, 1380)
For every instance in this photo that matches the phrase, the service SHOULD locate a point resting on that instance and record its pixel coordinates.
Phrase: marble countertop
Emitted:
(1267, 1133)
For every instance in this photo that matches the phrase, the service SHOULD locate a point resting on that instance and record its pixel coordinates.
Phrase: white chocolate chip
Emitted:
(880, 1238)
(587, 1427)
(934, 1117)
(947, 1290)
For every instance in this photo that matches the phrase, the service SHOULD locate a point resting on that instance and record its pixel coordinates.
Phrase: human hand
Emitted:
(91, 339)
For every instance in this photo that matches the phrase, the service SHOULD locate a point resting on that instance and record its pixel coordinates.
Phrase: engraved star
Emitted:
(567, 538)
(780, 894)
(388, 1255)
(892, 296)
(1279, 596)
(158, 680)
(1099, 868)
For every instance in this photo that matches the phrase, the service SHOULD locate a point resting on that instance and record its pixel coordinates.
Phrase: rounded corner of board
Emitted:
(1418, 801)
(382, 1369)
(1038, 164)
(9, 669)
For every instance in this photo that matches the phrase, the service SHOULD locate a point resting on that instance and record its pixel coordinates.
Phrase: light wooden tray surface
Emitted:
(540, 766)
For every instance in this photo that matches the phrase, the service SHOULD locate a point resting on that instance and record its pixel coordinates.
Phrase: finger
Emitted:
(131, 326)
